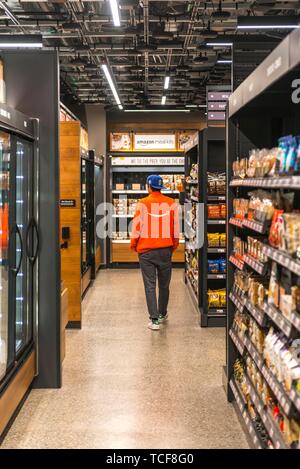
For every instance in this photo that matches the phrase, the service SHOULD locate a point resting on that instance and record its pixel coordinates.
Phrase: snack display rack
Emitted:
(263, 269)
(127, 184)
(205, 253)
(212, 255)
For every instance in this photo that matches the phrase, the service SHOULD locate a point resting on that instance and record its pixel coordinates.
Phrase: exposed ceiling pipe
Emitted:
(146, 41)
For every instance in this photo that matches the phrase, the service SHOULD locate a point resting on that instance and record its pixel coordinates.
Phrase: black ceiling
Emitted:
(156, 37)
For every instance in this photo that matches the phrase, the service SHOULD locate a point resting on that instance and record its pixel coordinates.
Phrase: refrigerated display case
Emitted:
(98, 199)
(19, 246)
(87, 219)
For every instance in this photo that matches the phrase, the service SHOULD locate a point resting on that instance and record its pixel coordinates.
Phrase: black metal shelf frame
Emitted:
(262, 101)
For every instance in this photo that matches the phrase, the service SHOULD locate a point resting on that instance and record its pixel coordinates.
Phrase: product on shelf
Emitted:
(216, 298)
(238, 247)
(261, 206)
(193, 176)
(216, 240)
(216, 183)
(120, 206)
(282, 160)
(240, 208)
(255, 249)
(168, 181)
(215, 211)
(284, 290)
(283, 358)
(216, 266)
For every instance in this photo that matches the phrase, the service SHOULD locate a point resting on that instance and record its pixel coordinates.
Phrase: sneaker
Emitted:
(162, 318)
(154, 325)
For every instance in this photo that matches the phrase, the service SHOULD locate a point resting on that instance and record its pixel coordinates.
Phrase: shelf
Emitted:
(121, 241)
(288, 182)
(288, 403)
(216, 250)
(216, 276)
(192, 291)
(245, 415)
(216, 312)
(265, 415)
(259, 267)
(256, 313)
(141, 191)
(253, 352)
(191, 182)
(281, 322)
(237, 262)
(216, 222)
(236, 222)
(260, 228)
(282, 258)
(237, 342)
(278, 390)
(216, 198)
(238, 302)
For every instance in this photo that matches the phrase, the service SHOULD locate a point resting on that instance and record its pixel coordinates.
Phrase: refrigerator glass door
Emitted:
(23, 210)
(4, 238)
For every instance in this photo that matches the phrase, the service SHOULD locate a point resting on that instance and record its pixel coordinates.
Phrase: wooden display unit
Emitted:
(70, 216)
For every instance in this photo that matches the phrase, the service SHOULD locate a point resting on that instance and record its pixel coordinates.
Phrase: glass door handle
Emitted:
(32, 225)
(17, 231)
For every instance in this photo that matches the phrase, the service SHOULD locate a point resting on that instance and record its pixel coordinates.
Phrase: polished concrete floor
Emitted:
(125, 386)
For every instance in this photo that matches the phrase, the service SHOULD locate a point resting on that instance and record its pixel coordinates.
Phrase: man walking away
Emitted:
(155, 236)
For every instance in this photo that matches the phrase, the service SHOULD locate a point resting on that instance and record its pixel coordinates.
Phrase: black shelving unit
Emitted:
(192, 190)
(260, 111)
(212, 158)
(133, 168)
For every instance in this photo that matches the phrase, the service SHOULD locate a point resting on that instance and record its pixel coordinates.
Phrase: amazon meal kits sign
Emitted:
(148, 142)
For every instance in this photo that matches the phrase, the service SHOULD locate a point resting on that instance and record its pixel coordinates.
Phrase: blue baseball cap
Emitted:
(155, 181)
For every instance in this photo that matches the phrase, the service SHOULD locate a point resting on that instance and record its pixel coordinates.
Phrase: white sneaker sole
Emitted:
(161, 321)
(153, 327)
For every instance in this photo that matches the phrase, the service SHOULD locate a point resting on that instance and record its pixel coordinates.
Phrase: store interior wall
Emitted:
(32, 87)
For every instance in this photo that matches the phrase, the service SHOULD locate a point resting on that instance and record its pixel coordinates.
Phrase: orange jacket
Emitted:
(155, 223)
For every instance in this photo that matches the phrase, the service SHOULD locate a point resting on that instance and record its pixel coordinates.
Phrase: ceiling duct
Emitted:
(220, 14)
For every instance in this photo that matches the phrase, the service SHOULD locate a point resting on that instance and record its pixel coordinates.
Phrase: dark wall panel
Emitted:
(32, 84)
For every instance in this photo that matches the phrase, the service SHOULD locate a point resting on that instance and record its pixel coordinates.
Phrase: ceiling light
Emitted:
(167, 82)
(221, 61)
(21, 41)
(268, 22)
(163, 100)
(115, 12)
(219, 44)
(111, 83)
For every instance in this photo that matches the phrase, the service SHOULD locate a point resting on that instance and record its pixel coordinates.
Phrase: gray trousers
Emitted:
(156, 265)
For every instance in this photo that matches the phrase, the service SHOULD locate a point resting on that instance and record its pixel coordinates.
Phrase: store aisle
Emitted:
(128, 387)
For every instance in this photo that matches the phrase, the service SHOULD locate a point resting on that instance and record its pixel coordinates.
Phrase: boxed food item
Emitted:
(120, 186)
(213, 211)
(168, 181)
(136, 187)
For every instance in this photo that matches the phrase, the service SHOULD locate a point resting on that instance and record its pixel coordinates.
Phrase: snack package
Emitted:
(213, 211)
(213, 299)
(274, 235)
(222, 266)
(273, 296)
(213, 240)
(222, 239)
(213, 266)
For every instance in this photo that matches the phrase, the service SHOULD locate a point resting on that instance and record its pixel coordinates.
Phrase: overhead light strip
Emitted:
(111, 83)
(219, 44)
(273, 26)
(163, 100)
(224, 61)
(115, 12)
(167, 82)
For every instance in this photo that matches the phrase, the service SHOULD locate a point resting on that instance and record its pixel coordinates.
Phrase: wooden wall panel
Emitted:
(121, 252)
(178, 255)
(70, 188)
(16, 390)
